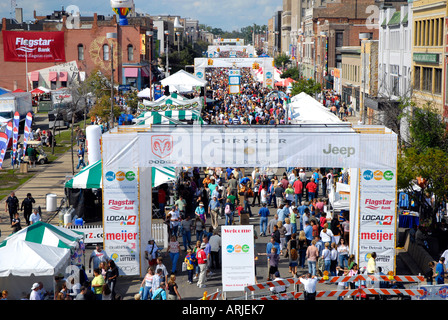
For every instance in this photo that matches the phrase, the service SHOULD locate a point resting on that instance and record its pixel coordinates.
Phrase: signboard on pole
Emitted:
(121, 218)
(377, 214)
(238, 264)
(234, 81)
(37, 46)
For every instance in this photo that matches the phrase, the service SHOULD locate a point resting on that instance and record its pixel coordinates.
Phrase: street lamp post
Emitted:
(178, 42)
(150, 34)
(363, 37)
(26, 65)
(112, 35)
(167, 33)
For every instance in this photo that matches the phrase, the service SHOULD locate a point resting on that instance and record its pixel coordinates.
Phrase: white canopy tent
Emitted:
(145, 93)
(305, 109)
(182, 81)
(23, 263)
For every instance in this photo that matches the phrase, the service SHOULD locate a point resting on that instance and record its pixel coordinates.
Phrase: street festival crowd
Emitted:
(303, 230)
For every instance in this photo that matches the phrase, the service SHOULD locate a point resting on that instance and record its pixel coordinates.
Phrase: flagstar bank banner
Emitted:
(378, 217)
(238, 265)
(36, 46)
(121, 218)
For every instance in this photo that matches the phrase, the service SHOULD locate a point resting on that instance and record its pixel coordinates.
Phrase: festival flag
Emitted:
(15, 134)
(4, 141)
(27, 130)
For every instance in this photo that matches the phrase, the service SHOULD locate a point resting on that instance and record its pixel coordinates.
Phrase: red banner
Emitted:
(20, 46)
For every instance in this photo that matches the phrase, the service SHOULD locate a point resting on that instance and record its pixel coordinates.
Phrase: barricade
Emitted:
(256, 291)
(214, 296)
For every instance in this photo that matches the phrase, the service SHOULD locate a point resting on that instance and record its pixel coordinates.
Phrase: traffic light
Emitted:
(167, 90)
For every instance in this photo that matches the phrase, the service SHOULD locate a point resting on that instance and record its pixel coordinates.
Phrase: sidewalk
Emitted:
(49, 179)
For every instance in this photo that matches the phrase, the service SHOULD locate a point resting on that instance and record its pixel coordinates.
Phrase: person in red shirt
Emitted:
(201, 256)
(298, 189)
(311, 187)
(162, 201)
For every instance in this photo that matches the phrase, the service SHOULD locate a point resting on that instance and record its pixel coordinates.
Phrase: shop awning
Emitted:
(145, 71)
(63, 76)
(53, 76)
(35, 76)
(131, 72)
(91, 177)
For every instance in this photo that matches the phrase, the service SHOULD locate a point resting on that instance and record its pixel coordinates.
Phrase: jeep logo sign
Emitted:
(344, 151)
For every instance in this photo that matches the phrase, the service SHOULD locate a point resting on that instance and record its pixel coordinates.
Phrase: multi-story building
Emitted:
(286, 27)
(83, 47)
(329, 27)
(350, 76)
(428, 52)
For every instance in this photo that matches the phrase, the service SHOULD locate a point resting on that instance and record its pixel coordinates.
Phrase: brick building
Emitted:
(86, 45)
(330, 27)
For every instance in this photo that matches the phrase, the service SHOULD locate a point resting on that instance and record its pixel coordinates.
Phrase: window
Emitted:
(417, 78)
(106, 52)
(80, 52)
(394, 79)
(35, 84)
(339, 39)
(130, 52)
(427, 79)
(437, 81)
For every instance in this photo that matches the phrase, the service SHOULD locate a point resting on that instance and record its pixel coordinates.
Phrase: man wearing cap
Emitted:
(213, 208)
(34, 295)
(201, 256)
(27, 207)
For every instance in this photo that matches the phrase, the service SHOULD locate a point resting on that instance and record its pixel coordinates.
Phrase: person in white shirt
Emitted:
(34, 217)
(34, 295)
(309, 283)
(279, 288)
(326, 234)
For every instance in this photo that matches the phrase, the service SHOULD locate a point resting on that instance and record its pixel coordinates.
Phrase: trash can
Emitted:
(244, 219)
(51, 202)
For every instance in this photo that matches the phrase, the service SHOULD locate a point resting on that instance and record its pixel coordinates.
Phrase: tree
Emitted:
(309, 86)
(293, 73)
(425, 162)
(282, 60)
(427, 129)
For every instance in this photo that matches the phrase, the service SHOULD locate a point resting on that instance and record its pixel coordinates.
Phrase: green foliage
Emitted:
(132, 100)
(293, 73)
(309, 86)
(282, 60)
(102, 109)
(427, 129)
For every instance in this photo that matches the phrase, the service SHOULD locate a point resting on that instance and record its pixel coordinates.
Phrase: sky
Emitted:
(228, 15)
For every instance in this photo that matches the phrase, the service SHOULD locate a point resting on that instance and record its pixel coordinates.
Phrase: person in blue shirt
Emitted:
(81, 157)
(283, 213)
(308, 232)
(263, 213)
(440, 271)
(301, 210)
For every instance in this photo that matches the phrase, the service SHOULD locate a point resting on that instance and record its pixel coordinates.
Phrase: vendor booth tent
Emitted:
(340, 198)
(182, 81)
(145, 93)
(305, 109)
(91, 177)
(46, 234)
(168, 117)
(23, 263)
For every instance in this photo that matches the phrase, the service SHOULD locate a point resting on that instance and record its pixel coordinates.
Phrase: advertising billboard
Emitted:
(21, 46)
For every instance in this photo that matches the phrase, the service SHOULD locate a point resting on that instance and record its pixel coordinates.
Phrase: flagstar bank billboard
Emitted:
(19, 46)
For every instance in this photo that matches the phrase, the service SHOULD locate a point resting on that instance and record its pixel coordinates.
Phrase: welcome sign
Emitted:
(19, 46)
(238, 264)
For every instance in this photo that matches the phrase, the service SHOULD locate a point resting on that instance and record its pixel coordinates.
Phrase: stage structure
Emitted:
(130, 153)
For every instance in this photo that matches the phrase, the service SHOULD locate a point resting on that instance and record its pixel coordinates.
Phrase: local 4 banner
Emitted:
(4, 141)
(15, 134)
(37, 46)
(27, 130)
